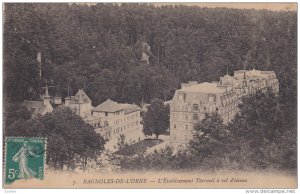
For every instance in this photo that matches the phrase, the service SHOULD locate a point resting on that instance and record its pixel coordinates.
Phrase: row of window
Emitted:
(174, 138)
(95, 125)
(187, 128)
(195, 116)
(132, 124)
(132, 116)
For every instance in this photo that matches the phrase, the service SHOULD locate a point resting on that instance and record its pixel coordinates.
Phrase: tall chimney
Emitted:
(39, 61)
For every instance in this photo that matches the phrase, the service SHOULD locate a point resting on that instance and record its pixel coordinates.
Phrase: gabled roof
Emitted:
(111, 106)
(36, 107)
(108, 106)
(80, 97)
(128, 108)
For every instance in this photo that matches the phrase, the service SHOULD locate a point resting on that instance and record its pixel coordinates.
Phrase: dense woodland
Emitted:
(99, 48)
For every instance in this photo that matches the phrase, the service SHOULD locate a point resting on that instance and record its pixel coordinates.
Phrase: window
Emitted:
(195, 107)
(106, 114)
(186, 138)
(186, 127)
(186, 117)
(174, 126)
(217, 109)
(194, 126)
(105, 123)
(195, 117)
(204, 108)
(181, 96)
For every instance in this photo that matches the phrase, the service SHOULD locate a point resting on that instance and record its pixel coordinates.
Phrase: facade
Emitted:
(117, 118)
(110, 119)
(190, 103)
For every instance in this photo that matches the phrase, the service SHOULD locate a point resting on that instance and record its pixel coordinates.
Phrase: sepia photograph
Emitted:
(149, 95)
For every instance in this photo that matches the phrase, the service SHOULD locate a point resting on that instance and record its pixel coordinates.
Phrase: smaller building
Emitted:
(117, 118)
(81, 104)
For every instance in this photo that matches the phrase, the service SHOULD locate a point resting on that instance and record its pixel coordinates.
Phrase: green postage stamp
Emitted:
(25, 158)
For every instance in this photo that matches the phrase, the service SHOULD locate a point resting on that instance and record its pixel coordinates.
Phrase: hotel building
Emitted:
(190, 103)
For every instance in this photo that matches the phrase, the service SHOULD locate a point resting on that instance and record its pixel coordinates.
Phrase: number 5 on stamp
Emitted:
(25, 158)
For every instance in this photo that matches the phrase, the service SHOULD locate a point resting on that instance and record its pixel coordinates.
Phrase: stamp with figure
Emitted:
(25, 158)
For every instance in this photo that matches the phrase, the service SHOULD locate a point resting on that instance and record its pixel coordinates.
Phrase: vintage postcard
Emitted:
(150, 95)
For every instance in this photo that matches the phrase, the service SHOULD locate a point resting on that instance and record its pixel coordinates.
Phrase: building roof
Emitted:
(80, 97)
(204, 87)
(36, 107)
(108, 106)
(128, 108)
(253, 73)
(111, 106)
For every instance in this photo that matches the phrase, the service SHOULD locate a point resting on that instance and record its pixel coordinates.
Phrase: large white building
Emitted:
(190, 103)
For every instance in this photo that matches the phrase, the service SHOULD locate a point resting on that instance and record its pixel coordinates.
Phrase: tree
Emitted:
(212, 126)
(260, 131)
(156, 119)
(211, 142)
(69, 139)
(122, 142)
(15, 111)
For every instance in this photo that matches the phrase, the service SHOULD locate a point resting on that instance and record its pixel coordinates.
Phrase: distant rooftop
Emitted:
(206, 86)
(111, 106)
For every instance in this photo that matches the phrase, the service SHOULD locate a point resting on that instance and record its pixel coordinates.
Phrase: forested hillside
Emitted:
(98, 48)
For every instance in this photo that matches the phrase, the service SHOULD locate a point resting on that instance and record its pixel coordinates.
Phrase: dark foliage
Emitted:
(70, 141)
(98, 48)
(156, 119)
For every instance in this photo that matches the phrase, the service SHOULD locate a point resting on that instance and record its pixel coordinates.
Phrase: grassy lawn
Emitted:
(139, 147)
